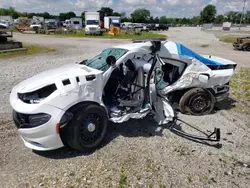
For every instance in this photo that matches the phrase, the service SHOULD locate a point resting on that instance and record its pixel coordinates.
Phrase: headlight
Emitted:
(26, 121)
(38, 119)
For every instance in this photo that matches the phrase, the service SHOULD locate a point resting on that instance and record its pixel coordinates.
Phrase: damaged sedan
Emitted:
(72, 105)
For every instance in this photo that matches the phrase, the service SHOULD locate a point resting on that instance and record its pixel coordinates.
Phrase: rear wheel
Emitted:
(197, 102)
(87, 129)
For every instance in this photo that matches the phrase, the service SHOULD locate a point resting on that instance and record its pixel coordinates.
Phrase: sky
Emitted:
(169, 8)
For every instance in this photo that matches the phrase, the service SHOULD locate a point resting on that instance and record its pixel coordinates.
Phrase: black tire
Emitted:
(246, 48)
(197, 101)
(79, 134)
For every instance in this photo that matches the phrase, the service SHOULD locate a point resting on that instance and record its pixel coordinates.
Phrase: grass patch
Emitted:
(240, 85)
(123, 179)
(190, 179)
(228, 39)
(122, 35)
(240, 90)
(31, 49)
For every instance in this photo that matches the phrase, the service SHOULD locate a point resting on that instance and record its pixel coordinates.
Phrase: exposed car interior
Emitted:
(125, 89)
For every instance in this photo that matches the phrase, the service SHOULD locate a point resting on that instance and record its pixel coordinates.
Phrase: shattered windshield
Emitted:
(99, 61)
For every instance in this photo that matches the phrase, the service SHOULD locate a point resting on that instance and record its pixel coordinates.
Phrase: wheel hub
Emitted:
(198, 103)
(91, 127)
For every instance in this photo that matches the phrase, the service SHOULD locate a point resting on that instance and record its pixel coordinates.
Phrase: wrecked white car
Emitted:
(72, 105)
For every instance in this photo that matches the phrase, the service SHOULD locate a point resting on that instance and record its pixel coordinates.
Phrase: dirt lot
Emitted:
(137, 153)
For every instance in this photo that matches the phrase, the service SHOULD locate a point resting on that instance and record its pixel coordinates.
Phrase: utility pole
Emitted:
(242, 15)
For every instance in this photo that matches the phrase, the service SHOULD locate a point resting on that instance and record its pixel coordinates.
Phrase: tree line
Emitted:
(142, 15)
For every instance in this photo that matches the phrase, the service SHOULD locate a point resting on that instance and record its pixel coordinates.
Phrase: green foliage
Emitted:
(123, 179)
(233, 16)
(122, 35)
(219, 19)
(240, 85)
(228, 39)
(9, 12)
(140, 15)
(163, 20)
(105, 11)
(67, 15)
(31, 49)
(208, 14)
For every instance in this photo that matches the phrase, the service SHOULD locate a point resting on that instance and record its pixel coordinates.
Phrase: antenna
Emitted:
(242, 15)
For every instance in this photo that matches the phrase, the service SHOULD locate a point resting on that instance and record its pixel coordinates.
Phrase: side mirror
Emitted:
(111, 61)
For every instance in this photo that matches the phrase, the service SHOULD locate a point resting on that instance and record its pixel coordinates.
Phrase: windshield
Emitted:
(92, 22)
(76, 22)
(99, 61)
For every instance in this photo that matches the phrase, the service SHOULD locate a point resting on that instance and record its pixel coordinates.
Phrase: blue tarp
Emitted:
(185, 52)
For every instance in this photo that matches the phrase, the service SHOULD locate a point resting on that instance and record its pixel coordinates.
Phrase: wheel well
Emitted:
(175, 96)
(72, 108)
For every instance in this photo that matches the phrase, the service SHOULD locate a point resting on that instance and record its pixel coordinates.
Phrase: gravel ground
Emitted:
(136, 153)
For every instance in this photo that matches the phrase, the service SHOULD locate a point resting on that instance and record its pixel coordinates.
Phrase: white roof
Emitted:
(134, 46)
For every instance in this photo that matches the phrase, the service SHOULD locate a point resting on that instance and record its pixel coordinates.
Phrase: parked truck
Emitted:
(92, 23)
(112, 21)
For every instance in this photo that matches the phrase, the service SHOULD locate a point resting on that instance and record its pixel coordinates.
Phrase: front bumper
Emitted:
(237, 46)
(91, 32)
(43, 137)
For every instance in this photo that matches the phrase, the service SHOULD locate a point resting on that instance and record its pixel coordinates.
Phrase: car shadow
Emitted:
(226, 104)
(146, 127)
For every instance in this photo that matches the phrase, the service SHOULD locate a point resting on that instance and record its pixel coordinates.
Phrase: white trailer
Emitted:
(112, 20)
(6, 21)
(92, 23)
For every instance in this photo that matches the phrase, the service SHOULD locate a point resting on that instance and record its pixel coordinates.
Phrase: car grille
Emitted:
(92, 29)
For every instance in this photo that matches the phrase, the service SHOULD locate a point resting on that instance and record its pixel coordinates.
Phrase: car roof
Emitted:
(136, 46)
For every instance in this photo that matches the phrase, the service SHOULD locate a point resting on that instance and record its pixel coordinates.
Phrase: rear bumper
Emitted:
(222, 96)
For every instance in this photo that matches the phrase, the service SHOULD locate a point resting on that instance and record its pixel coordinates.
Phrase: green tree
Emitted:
(247, 17)
(83, 15)
(157, 20)
(233, 16)
(46, 15)
(195, 20)
(219, 19)
(208, 14)
(151, 19)
(62, 16)
(140, 15)
(163, 20)
(70, 15)
(184, 21)
(105, 11)
(116, 14)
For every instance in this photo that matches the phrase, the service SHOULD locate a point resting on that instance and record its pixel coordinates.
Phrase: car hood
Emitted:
(53, 76)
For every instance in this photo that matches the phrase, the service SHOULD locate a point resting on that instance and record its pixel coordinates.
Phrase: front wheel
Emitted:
(87, 128)
(197, 102)
(246, 48)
